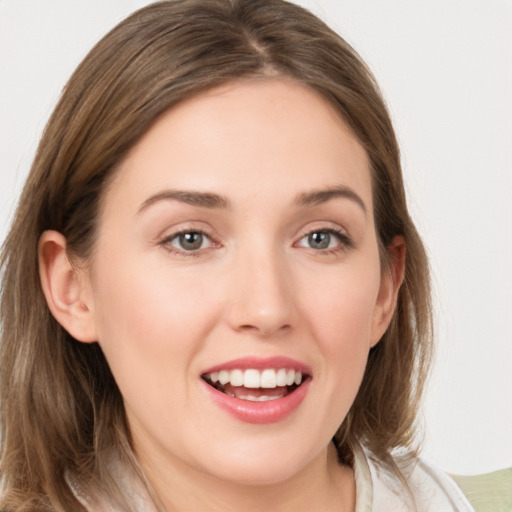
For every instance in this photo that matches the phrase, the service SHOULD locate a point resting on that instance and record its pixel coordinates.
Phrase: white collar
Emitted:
(380, 489)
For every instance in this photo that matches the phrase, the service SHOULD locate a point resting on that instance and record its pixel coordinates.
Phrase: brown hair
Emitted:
(60, 406)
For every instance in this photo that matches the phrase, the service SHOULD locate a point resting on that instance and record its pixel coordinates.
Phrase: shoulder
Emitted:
(414, 484)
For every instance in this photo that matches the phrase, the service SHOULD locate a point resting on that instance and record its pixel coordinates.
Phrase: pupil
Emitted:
(319, 240)
(191, 241)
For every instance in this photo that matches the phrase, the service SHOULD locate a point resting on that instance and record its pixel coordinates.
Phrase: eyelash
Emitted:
(167, 242)
(344, 241)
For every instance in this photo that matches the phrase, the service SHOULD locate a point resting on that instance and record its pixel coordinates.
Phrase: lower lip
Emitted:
(270, 411)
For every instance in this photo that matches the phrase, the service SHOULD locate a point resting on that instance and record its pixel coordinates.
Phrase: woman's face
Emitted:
(237, 248)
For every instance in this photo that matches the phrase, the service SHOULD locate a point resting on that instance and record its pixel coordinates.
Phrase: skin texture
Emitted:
(256, 287)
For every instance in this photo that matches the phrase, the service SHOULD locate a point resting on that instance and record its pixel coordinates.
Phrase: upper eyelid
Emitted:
(179, 232)
(168, 239)
(330, 227)
(186, 227)
(332, 231)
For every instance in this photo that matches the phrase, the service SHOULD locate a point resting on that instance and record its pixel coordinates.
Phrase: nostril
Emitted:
(264, 329)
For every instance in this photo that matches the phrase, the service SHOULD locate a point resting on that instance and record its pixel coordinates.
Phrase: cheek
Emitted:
(150, 324)
(343, 334)
(147, 301)
(339, 315)
(341, 311)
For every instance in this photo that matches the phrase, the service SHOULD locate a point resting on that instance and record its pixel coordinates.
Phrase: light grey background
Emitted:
(445, 67)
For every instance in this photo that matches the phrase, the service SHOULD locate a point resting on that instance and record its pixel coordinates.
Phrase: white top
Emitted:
(378, 489)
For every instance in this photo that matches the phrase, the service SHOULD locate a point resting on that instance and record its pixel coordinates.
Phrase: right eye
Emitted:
(188, 241)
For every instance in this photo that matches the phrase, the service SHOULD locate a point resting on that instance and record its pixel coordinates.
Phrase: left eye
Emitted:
(190, 241)
(321, 240)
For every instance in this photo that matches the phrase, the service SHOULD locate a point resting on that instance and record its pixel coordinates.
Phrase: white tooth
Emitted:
(214, 376)
(249, 398)
(223, 377)
(298, 378)
(251, 379)
(236, 378)
(268, 379)
(263, 398)
(290, 377)
(281, 377)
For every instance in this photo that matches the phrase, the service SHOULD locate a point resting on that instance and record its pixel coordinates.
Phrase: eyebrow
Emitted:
(212, 200)
(193, 198)
(321, 196)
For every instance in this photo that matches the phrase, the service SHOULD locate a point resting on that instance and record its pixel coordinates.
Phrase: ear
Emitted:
(391, 281)
(66, 288)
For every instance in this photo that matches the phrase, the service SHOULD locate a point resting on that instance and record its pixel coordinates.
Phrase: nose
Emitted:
(262, 296)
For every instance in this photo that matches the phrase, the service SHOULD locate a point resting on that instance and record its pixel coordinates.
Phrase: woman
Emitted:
(228, 302)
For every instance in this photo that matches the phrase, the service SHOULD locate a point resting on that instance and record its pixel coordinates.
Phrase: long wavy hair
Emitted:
(60, 405)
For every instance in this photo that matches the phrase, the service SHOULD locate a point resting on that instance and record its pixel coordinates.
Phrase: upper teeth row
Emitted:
(269, 378)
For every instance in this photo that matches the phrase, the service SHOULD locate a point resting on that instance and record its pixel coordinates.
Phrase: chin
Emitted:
(261, 473)
(258, 464)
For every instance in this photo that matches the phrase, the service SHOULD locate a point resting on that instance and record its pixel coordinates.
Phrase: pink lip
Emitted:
(271, 411)
(260, 363)
(259, 412)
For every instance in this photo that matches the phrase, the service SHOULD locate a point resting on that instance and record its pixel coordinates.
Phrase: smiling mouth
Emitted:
(256, 385)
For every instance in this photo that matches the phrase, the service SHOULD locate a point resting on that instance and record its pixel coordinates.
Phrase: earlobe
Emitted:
(391, 281)
(65, 288)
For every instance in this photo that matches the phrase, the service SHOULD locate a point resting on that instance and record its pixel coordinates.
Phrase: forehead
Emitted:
(245, 139)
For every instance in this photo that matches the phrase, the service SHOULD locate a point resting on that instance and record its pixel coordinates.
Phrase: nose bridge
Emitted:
(261, 290)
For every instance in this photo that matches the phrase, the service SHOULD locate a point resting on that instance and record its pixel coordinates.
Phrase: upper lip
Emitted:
(260, 363)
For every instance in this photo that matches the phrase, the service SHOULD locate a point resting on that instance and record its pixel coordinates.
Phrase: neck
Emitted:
(324, 484)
